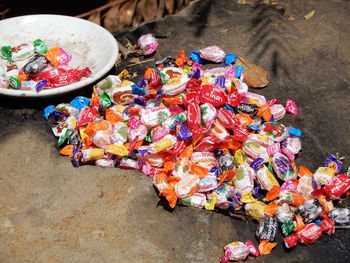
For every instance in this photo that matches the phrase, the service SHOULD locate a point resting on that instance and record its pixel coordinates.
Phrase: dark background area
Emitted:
(64, 7)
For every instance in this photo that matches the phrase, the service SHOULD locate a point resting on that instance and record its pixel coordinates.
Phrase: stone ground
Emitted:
(53, 212)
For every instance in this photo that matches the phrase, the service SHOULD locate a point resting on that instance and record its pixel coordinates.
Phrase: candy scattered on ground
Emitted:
(208, 142)
(33, 66)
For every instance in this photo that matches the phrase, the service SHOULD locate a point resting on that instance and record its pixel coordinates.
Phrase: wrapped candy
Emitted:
(324, 175)
(309, 234)
(176, 80)
(213, 53)
(243, 181)
(310, 210)
(283, 167)
(235, 251)
(267, 229)
(341, 217)
(147, 43)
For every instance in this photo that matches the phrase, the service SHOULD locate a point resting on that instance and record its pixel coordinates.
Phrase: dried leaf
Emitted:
(138, 15)
(127, 11)
(95, 18)
(134, 60)
(148, 11)
(248, 2)
(111, 19)
(179, 4)
(309, 15)
(224, 30)
(170, 6)
(161, 8)
(254, 76)
(118, 61)
(289, 16)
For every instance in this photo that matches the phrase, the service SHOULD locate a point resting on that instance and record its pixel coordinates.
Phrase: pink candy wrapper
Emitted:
(148, 43)
(291, 107)
(213, 53)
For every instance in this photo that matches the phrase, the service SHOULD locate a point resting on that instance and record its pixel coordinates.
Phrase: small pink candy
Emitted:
(291, 107)
(289, 154)
(148, 43)
(252, 248)
(288, 185)
(159, 134)
(65, 57)
(230, 73)
(134, 123)
(144, 166)
(278, 111)
(271, 102)
(273, 149)
(213, 53)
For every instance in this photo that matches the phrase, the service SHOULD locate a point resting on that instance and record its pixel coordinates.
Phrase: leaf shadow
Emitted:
(270, 31)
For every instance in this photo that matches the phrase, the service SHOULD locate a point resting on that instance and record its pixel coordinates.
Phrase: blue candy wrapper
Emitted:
(48, 111)
(80, 102)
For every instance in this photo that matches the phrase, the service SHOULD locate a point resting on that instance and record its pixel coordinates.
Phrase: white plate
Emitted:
(90, 45)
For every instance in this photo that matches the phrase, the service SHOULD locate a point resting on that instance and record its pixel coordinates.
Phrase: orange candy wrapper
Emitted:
(265, 247)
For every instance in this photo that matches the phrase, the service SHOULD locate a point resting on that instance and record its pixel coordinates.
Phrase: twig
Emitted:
(101, 8)
(145, 61)
(4, 12)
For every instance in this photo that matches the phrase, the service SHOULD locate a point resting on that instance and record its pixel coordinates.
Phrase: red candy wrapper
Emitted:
(291, 240)
(193, 85)
(59, 77)
(309, 234)
(240, 133)
(234, 99)
(192, 97)
(193, 116)
(178, 148)
(291, 107)
(86, 116)
(328, 226)
(228, 119)
(213, 95)
(338, 186)
(207, 144)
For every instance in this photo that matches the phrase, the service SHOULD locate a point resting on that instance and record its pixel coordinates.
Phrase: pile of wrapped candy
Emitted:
(32, 66)
(208, 142)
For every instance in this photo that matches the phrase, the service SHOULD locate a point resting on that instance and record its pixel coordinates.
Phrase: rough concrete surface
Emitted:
(53, 212)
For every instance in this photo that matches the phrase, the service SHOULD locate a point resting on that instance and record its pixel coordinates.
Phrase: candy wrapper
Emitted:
(341, 216)
(309, 234)
(147, 43)
(213, 53)
(235, 251)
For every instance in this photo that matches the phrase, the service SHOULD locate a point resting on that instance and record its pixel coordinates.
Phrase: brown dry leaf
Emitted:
(179, 4)
(289, 16)
(170, 6)
(95, 18)
(134, 60)
(309, 15)
(149, 10)
(138, 14)
(161, 8)
(127, 11)
(224, 30)
(111, 19)
(254, 76)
